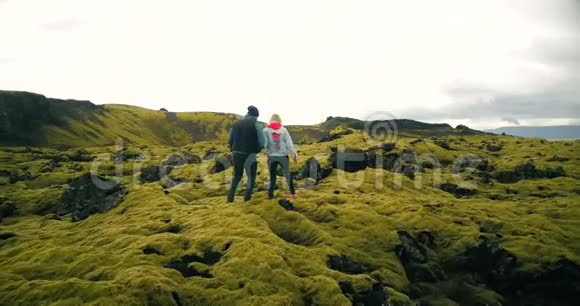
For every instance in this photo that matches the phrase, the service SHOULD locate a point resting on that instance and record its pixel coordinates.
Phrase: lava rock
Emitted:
(410, 250)
(80, 155)
(211, 154)
(490, 262)
(286, 204)
(192, 158)
(186, 269)
(7, 235)
(443, 144)
(49, 166)
(349, 160)
(90, 194)
(425, 272)
(557, 284)
(221, 163)
(334, 136)
(556, 158)
(125, 155)
(7, 209)
(179, 160)
(313, 170)
(408, 156)
(471, 161)
(374, 296)
(528, 171)
(171, 182)
(456, 190)
(484, 177)
(493, 148)
(148, 250)
(344, 264)
(19, 175)
(151, 174)
(408, 171)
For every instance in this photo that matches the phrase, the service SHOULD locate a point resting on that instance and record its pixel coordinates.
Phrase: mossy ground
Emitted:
(272, 256)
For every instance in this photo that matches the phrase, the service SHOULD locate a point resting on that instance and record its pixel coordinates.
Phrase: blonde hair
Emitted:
(276, 118)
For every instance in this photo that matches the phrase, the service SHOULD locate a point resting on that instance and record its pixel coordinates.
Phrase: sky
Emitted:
(482, 63)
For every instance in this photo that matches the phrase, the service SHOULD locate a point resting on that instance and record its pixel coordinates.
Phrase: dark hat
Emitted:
(253, 111)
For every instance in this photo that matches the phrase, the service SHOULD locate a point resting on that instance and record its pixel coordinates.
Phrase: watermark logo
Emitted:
(381, 127)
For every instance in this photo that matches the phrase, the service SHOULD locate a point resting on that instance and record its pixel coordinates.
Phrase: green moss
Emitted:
(270, 255)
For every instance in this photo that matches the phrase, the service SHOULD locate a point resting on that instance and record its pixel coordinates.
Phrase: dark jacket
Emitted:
(246, 136)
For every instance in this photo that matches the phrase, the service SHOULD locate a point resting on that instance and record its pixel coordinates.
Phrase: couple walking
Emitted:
(247, 138)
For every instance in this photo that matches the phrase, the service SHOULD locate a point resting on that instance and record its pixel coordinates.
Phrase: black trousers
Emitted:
(283, 161)
(244, 162)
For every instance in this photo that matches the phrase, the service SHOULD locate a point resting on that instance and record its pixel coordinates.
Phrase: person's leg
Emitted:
(251, 167)
(286, 170)
(238, 173)
(272, 165)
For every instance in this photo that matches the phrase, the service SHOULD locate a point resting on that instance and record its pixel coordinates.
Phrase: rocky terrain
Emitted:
(435, 216)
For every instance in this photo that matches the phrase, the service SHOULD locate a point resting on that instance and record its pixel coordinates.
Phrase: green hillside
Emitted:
(34, 120)
(435, 216)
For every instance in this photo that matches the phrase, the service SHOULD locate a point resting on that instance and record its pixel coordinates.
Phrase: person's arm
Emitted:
(231, 138)
(290, 146)
(260, 132)
(266, 138)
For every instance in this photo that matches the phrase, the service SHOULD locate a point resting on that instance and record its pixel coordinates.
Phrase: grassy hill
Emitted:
(34, 120)
(436, 216)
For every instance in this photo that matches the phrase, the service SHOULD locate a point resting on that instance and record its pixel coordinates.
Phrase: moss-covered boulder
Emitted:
(90, 194)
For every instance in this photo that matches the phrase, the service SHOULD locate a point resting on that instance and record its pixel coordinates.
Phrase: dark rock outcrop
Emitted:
(148, 250)
(152, 174)
(493, 148)
(374, 296)
(471, 161)
(334, 136)
(181, 159)
(490, 262)
(312, 169)
(443, 144)
(80, 155)
(416, 141)
(413, 254)
(208, 257)
(211, 154)
(90, 194)
(557, 158)
(528, 171)
(125, 155)
(349, 160)
(19, 175)
(49, 166)
(457, 191)
(346, 265)
(7, 209)
(221, 163)
(286, 204)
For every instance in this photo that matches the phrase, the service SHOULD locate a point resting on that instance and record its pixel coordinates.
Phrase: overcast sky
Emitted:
(481, 63)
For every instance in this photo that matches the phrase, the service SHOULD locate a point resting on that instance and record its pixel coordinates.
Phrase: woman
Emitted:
(278, 144)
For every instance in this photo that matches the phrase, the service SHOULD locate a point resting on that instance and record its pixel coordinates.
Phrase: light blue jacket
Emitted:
(278, 146)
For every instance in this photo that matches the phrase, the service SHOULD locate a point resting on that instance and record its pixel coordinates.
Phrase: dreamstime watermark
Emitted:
(381, 127)
(347, 167)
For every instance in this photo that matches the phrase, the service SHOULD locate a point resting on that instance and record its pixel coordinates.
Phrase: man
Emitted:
(246, 140)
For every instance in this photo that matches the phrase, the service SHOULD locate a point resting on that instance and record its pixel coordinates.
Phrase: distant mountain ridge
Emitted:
(548, 132)
(30, 119)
